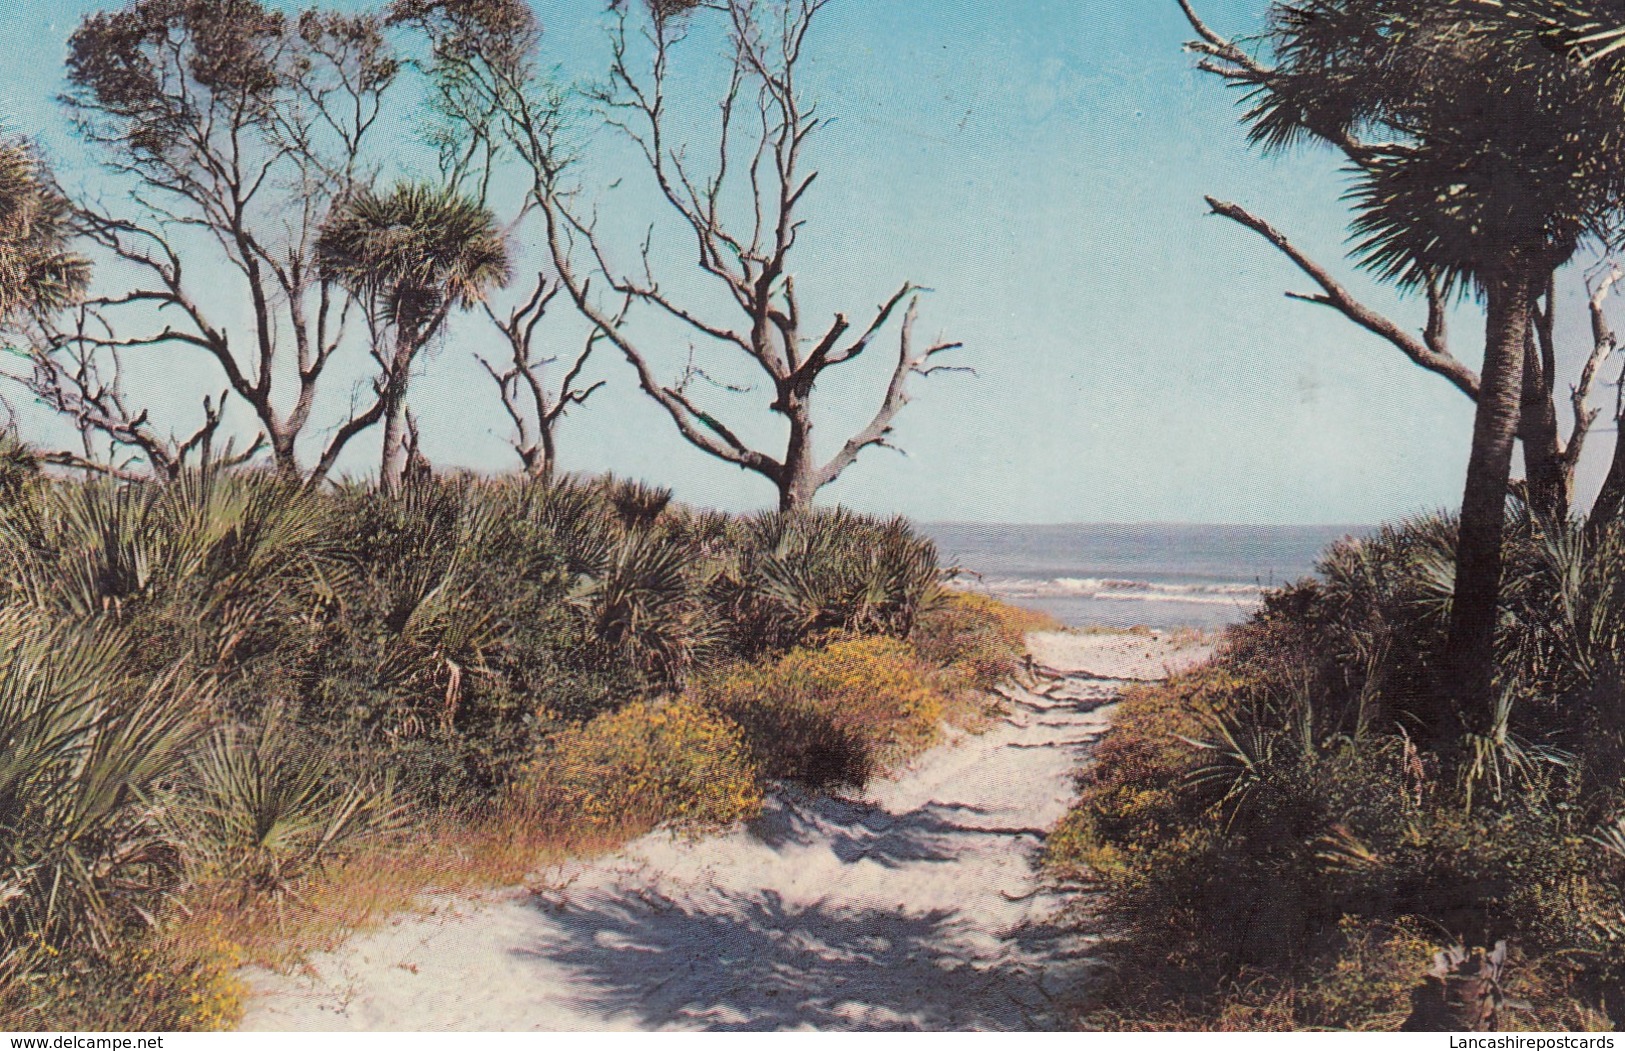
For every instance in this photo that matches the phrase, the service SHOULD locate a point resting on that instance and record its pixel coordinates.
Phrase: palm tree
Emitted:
(410, 256)
(1482, 161)
(1593, 35)
(38, 272)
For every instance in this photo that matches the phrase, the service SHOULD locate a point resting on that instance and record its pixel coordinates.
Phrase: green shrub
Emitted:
(263, 807)
(644, 605)
(978, 640)
(213, 687)
(788, 577)
(88, 748)
(20, 473)
(143, 983)
(1265, 827)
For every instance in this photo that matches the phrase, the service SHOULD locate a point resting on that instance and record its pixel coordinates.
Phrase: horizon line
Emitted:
(1140, 523)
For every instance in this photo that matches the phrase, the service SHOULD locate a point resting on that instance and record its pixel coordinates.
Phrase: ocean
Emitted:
(1156, 575)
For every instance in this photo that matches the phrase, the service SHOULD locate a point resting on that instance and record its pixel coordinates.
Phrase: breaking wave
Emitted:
(1125, 590)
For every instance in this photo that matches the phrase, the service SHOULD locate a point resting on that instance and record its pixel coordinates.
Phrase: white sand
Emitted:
(1125, 656)
(916, 907)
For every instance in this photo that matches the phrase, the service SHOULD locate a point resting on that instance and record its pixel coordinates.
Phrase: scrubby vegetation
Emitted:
(240, 715)
(639, 766)
(1286, 836)
(832, 716)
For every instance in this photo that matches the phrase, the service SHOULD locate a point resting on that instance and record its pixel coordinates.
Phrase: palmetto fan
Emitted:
(414, 252)
(38, 271)
(409, 256)
(1591, 31)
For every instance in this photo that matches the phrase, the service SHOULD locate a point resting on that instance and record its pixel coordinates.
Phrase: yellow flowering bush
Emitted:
(976, 639)
(146, 984)
(647, 764)
(831, 716)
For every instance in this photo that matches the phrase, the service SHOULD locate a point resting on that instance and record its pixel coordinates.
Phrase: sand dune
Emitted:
(914, 907)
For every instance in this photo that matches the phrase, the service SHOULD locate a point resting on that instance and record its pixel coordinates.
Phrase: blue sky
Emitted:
(1040, 165)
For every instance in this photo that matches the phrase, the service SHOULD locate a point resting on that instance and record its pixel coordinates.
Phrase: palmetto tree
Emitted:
(38, 269)
(411, 256)
(1482, 160)
(1590, 33)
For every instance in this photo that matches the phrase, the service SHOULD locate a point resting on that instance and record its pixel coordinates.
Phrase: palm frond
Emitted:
(39, 271)
(89, 751)
(267, 807)
(413, 252)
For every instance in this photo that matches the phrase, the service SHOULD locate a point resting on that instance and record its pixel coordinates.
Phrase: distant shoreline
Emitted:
(1163, 575)
(955, 523)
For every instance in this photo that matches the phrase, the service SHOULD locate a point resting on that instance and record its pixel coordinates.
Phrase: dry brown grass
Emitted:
(374, 883)
(184, 977)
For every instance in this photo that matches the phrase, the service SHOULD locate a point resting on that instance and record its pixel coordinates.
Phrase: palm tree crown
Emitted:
(38, 272)
(1482, 156)
(410, 255)
(1472, 138)
(414, 253)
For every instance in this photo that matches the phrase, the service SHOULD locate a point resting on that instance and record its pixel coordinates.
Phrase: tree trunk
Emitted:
(544, 455)
(1611, 499)
(1461, 993)
(1548, 482)
(392, 467)
(799, 481)
(283, 456)
(1470, 656)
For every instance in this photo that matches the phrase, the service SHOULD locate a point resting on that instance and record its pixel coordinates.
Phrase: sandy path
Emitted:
(916, 907)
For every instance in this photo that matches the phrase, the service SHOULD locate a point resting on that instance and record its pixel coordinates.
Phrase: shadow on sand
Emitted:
(755, 962)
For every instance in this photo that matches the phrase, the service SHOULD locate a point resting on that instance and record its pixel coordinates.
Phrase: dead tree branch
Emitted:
(228, 165)
(535, 407)
(1430, 350)
(741, 215)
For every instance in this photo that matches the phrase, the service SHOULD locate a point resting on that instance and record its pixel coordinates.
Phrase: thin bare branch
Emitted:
(1428, 352)
(1604, 343)
(879, 429)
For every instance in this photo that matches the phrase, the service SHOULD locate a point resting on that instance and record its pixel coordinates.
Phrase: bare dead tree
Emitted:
(77, 370)
(1610, 503)
(533, 404)
(742, 208)
(1552, 459)
(233, 129)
